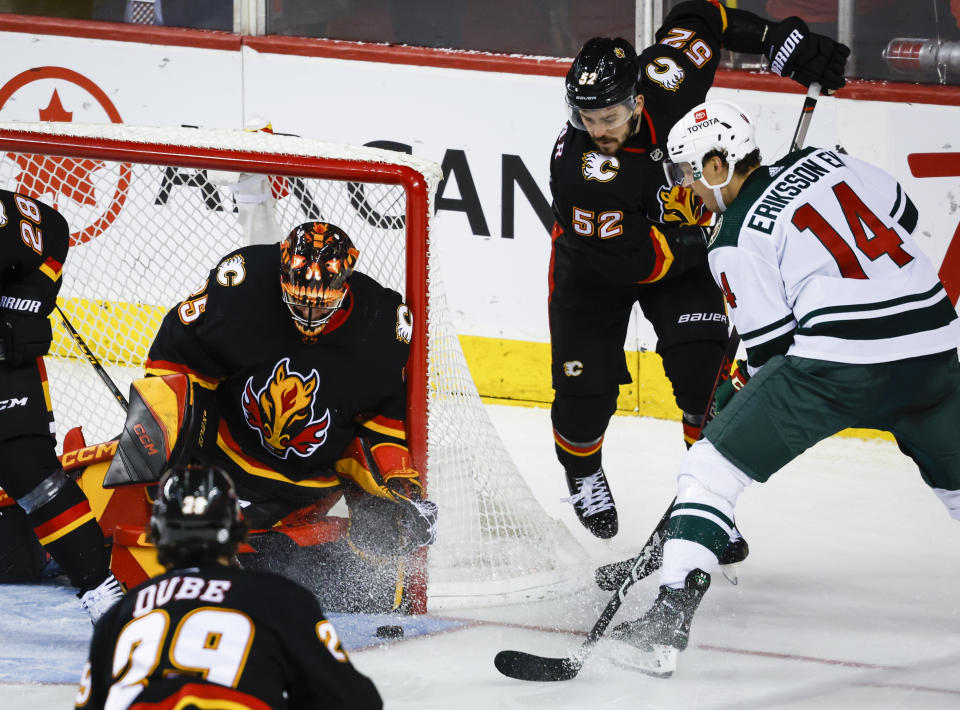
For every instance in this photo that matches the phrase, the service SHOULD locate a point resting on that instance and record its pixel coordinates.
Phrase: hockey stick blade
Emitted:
(527, 666)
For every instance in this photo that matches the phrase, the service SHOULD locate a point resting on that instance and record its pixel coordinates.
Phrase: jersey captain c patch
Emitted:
(597, 166)
(281, 412)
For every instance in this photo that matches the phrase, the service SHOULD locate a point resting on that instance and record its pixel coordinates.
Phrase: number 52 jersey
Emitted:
(816, 259)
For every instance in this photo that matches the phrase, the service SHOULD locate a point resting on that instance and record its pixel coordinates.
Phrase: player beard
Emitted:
(610, 146)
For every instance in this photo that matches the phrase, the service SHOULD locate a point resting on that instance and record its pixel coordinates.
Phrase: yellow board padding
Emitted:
(518, 372)
(117, 333)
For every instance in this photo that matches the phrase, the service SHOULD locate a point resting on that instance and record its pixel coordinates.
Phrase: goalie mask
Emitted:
(316, 259)
(196, 517)
(603, 76)
(711, 126)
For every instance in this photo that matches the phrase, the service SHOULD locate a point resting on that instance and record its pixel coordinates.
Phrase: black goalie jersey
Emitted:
(288, 409)
(216, 637)
(604, 204)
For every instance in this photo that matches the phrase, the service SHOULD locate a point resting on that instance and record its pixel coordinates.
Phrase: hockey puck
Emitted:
(390, 632)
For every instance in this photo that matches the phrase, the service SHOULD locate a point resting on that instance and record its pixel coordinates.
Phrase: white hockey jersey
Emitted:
(816, 260)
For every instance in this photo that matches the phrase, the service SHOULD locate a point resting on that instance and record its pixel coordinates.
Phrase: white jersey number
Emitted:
(212, 642)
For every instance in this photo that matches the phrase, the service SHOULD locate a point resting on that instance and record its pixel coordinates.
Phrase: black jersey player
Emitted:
(306, 356)
(622, 236)
(34, 239)
(208, 634)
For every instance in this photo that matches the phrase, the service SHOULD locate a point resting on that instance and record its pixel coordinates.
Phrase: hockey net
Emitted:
(148, 223)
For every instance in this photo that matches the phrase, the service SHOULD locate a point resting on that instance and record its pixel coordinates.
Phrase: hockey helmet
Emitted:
(603, 75)
(713, 125)
(316, 259)
(196, 516)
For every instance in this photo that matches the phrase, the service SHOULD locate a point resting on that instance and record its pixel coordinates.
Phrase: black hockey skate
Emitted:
(593, 503)
(652, 643)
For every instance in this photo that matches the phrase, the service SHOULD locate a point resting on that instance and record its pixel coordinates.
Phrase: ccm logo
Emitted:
(700, 115)
(145, 439)
(702, 317)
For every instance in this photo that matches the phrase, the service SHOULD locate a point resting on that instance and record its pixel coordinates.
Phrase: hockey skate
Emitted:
(652, 643)
(97, 601)
(593, 503)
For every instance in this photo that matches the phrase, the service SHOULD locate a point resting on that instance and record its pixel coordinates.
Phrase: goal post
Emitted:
(148, 223)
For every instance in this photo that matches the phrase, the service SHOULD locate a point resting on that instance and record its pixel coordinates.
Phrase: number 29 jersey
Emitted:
(220, 636)
(816, 259)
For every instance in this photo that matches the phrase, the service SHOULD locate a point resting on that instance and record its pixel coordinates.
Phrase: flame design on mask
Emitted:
(281, 412)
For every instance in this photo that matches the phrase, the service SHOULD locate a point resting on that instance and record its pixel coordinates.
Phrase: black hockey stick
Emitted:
(806, 113)
(609, 577)
(92, 359)
(527, 666)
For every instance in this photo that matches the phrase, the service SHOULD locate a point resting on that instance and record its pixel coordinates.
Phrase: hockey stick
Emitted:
(527, 666)
(92, 359)
(806, 113)
(609, 577)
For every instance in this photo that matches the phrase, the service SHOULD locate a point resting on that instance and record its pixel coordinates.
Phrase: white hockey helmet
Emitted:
(718, 125)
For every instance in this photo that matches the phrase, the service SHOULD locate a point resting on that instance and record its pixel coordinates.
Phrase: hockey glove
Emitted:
(382, 527)
(792, 50)
(729, 387)
(24, 338)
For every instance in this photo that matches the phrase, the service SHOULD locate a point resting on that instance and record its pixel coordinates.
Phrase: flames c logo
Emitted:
(666, 72)
(282, 412)
(597, 166)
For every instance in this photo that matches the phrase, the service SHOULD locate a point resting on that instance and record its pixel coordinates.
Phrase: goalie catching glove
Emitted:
(793, 51)
(390, 515)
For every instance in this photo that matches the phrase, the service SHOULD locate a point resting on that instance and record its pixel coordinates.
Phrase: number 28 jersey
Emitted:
(816, 259)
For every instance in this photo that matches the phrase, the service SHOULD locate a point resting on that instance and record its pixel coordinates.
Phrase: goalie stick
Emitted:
(528, 666)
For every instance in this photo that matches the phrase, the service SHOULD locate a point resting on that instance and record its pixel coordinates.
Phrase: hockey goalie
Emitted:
(286, 369)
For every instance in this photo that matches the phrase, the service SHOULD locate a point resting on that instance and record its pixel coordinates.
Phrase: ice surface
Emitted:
(850, 598)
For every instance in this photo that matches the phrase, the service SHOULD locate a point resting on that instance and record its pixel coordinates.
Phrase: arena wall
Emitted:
(489, 120)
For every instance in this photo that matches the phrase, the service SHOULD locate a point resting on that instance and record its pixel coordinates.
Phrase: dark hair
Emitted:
(743, 166)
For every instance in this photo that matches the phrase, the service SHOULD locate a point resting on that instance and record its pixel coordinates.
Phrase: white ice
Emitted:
(850, 597)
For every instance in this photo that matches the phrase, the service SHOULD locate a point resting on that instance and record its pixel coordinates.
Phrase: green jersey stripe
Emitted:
(932, 317)
(875, 306)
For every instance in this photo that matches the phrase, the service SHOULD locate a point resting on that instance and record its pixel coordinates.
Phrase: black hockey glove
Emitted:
(792, 50)
(24, 337)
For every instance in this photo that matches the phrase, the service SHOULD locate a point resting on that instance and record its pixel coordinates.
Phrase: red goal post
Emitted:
(148, 220)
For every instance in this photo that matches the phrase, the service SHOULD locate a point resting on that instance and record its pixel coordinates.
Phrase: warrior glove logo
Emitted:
(597, 166)
(282, 412)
